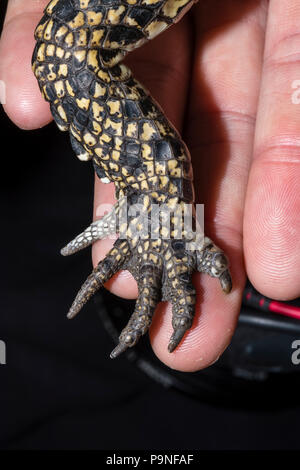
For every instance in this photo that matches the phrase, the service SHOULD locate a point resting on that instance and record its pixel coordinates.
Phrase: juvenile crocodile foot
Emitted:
(163, 270)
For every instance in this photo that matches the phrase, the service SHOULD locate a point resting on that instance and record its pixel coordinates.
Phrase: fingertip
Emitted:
(271, 229)
(23, 102)
(27, 113)
(211, 331)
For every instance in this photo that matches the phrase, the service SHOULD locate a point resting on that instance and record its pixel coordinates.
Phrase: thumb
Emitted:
(22, 101)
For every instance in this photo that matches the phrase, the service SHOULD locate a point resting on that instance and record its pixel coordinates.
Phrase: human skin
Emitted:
(230, 88)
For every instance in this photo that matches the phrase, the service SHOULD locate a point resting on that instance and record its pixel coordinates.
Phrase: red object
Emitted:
(284, 309)
(255, 300)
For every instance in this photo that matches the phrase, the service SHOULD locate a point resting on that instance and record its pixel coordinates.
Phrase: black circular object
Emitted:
(255, 372)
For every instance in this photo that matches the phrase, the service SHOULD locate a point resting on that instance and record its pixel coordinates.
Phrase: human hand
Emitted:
(224, 76)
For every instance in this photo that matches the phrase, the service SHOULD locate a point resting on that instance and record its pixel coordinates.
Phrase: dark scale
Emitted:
(141, 16)
(114, 122)
(64, 11)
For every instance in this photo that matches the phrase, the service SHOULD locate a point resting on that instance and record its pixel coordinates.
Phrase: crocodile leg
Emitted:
(114, 122)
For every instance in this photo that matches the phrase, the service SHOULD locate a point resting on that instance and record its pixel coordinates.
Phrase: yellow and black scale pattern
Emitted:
(113, 121)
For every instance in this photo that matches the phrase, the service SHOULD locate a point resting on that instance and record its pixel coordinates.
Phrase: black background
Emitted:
(59, 389)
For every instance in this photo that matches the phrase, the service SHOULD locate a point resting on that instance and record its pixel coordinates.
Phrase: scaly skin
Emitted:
(113, 121)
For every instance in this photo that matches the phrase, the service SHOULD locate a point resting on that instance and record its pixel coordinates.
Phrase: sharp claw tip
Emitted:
(119, 349)
(227, 287)
(226, 282)
(171, 346)
(227, 290)
(176, 339)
